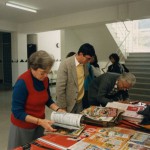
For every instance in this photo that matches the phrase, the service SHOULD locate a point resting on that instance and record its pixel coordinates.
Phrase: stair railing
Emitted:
(118, 51)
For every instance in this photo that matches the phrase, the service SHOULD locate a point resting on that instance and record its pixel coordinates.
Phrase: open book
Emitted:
(67, 123)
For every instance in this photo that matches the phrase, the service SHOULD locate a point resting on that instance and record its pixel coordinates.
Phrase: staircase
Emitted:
(139, 65)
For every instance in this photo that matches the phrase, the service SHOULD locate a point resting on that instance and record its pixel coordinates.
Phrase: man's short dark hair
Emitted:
(87, 49)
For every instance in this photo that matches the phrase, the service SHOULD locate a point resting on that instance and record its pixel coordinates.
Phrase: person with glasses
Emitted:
(70, 79)
(110, 87)
(30, 96)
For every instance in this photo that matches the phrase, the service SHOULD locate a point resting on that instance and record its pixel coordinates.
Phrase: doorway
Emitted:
(5, 61)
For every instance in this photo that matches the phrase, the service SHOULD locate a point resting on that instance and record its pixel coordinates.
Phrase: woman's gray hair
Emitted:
(41, 59)
(128, 77)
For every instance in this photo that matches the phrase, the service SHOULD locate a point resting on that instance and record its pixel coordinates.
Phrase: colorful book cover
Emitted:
(110, 138)
(141, 138)
(134, 146)
(66, 141)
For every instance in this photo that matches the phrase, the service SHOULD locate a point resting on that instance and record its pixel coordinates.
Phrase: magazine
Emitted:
(60, 142)
(81, 145)
(67, 124)
(141, 138)
(104, 116)
(134, 146)
(110, 138)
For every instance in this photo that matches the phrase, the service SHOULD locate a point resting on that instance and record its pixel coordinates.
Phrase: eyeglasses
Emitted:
(44, 72)
(126, 85)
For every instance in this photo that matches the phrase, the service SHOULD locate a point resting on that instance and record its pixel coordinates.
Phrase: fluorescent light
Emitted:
(21, 7)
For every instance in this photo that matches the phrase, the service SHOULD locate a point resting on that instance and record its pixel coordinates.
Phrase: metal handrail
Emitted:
(118, 46)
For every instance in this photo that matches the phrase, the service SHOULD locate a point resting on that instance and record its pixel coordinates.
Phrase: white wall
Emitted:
(97, 35)
(70, 41)
(8, 26)
(19, 52)
(50, 42)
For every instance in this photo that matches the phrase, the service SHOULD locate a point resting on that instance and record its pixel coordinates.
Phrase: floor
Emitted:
(5, 110)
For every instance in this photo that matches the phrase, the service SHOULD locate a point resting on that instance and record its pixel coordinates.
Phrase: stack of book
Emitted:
(101, 116)
(130, 111)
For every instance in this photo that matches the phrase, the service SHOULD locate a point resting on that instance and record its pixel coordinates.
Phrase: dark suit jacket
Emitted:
(101, 90)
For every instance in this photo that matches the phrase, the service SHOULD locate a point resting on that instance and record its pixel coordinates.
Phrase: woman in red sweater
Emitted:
(30, 95)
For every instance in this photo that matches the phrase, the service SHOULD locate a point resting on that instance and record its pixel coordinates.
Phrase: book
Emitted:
(130, 111)
(141, 138)
(110, 138)
(68, 124)
(81, 145)
(61, 142)
(104, 116)
(134, 146)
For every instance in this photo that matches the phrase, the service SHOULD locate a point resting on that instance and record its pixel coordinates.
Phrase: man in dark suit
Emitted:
(110, 87)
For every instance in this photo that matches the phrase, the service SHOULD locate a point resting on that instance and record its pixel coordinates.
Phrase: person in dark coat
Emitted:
(116, 67)
(110, 87)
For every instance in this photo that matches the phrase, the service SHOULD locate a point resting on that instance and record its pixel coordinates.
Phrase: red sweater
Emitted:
(35, 103)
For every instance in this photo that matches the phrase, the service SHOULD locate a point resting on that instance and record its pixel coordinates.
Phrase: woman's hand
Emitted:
(46, 124)
(61, 110)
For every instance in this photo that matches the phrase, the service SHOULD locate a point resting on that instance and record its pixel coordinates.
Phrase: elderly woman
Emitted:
(30, 95)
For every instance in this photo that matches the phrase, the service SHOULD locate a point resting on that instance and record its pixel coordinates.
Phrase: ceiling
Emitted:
(51, 8)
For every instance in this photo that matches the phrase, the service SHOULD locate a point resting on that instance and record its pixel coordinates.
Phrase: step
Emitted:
(139, 91)
(137, 63)
(135, 69)
(138, 66)
(139, 97)
(143, 80)
(141, 74)
(142, 85)
(147, 59)
(139, 54)
(141, 57)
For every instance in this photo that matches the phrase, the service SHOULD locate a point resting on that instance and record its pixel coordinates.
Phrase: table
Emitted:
(113, 138)
(91, 134)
